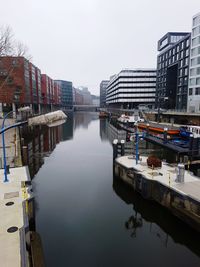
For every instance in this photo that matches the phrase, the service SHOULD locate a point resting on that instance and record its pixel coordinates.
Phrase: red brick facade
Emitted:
(14, 81)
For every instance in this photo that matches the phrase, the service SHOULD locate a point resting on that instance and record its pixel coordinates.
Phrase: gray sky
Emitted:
(86, 41)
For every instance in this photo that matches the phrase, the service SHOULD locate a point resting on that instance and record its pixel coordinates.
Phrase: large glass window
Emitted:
(198, 81)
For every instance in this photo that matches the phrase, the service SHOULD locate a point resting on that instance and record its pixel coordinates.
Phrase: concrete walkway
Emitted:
(12, 248)
(165, 175)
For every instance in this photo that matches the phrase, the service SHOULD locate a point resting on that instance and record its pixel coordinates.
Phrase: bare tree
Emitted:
(6, 41)
(11, 47)
(21, 50)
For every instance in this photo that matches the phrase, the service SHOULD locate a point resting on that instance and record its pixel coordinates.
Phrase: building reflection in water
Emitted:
(156, 221)
(83, 119)
(40, 141)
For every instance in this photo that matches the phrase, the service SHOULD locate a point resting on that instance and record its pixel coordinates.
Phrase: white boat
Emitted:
(130, 119)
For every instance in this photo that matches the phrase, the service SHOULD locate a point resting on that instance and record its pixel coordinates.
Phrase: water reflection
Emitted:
(40, 141)
(158, 221)
(87, 212)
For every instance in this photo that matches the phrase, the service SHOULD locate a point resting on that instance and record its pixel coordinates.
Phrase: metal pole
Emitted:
(4, 148)
(136, 145)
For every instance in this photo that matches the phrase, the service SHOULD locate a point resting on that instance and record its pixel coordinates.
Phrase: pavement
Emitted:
(12, 216)
(165, 175)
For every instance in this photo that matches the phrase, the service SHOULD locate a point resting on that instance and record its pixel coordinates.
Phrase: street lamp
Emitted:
(24, 109)
(50, 119)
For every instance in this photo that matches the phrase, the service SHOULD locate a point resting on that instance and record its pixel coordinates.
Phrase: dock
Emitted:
(161, 185)
(15, 200)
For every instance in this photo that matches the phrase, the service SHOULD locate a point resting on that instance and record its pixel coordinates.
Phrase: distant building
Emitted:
(173, 70)
(103, 86)
(194, 75)
(47, 93)
(78, 97)
(66, 93)
(131, 88)
(87, 98)
(95, 100)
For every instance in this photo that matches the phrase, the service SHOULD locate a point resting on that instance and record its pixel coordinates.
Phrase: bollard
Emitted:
(165, 135)
(147, 131)
(122, 147)
(180, 173)
(191, 144)
(115, 144)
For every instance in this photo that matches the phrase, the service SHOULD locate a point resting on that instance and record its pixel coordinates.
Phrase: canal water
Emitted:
(87, 217)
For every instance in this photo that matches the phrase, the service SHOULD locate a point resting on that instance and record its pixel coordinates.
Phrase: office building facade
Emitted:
(66, 93)
(103, 86)
(131, 88)
(194, 75)
(173, 70)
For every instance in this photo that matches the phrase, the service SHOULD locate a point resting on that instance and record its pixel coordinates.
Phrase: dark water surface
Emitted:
(88, 218)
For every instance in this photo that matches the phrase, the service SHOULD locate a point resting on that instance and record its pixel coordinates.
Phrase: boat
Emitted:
(158, 129)
(130, 119)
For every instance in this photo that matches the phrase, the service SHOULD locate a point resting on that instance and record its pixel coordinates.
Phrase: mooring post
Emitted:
(115, 145)
(122, 147)
(191, 138)
(165, 135)
(147, 133)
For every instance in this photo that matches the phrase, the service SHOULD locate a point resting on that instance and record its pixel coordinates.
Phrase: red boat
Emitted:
(158, 129)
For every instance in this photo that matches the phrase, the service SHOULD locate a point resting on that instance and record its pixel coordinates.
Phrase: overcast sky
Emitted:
(86, 41)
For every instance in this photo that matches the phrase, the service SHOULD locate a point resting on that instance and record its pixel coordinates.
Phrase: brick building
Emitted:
(14, 83)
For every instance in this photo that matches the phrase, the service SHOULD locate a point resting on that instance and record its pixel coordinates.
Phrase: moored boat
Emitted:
(158, 129)
(130, 119)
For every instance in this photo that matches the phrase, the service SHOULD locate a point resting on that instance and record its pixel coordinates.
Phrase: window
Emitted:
(198, 81)
(197, 91)
(190, 91)
(186, 71)
(198, 71)
(196, 31)
(192, 72)
(192, 81)
(193, 61)
(180, 72)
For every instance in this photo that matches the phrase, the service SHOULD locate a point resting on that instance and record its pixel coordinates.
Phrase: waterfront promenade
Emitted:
(14, 218)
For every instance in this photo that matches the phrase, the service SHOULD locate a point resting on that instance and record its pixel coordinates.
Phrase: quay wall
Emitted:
(183, 206)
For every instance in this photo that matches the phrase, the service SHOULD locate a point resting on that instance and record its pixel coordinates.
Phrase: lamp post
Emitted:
(4, 147)
(136, 144)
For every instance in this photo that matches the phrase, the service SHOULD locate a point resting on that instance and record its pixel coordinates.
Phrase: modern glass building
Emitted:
(131, 88)
(66, 93)
(194, 76)
(173, 70)
(103, 86)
